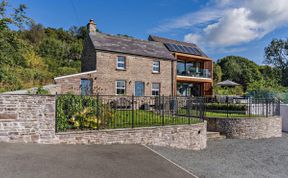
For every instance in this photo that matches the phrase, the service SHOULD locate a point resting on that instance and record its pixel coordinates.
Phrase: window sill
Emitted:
(120, 69)
(155, 72)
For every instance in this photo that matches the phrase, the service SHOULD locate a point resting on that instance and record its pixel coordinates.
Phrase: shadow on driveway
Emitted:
(76, 161)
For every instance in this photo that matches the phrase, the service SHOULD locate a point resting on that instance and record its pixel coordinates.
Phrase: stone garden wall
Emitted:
(246, 128)
(31, 119)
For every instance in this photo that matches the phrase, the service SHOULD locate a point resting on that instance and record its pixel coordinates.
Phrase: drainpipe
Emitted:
(172, 78)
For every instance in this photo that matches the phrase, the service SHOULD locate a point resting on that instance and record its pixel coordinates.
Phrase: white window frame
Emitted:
(124, 88)
(153, 65)
(121, 62)
(155, 90)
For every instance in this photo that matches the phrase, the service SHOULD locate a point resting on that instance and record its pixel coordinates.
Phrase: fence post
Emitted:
(97, 110)
(189, 107)
(266, 101)
(132, 110)
(227, 110)
(56, 129)
(162, 111)
(249, 107)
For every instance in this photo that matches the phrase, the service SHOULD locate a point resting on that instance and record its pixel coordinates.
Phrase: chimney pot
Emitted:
(91, 26)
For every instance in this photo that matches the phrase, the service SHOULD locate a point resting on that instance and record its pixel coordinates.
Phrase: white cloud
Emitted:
(228, 23)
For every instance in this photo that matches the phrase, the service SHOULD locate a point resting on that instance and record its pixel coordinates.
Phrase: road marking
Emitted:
(171, 161)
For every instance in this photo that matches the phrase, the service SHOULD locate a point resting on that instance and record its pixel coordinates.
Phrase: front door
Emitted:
(139, 88)
(86, 87)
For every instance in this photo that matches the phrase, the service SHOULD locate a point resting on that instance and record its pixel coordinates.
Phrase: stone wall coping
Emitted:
(243, 118)
(128, 129)
(17, 94)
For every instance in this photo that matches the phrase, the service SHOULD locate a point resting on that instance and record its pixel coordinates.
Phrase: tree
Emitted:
(276, 54)
(17, 18)
(240, 70)
(217, 73)
(271, 73)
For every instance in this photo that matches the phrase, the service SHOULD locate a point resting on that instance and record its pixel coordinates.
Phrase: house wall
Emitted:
(88, 58)
(137, 69)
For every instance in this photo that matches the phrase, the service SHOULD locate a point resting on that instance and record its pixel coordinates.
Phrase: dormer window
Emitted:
(156, 67)
(121, 63)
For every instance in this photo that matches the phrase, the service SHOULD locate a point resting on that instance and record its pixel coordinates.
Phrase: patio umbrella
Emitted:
(227, 83)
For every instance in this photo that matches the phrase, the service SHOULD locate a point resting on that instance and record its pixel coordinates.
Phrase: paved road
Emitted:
(77, 161)
(235, 158)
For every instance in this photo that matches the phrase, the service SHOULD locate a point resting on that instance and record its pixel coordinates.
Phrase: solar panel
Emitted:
(170, 47)
(197, 51)
(182, 49)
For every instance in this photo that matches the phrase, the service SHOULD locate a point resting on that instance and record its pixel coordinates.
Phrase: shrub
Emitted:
(81, 112)
(224, 106)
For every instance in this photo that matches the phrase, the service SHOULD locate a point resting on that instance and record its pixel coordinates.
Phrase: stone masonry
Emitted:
(246, 128)
(31, 118)
(27, 118)
(137, 69)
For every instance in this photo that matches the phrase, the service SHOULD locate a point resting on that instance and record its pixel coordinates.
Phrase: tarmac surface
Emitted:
(84, 161)
(234, 158)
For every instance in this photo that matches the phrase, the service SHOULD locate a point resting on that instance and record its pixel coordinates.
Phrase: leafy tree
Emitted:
(271, 73)
(33, 55)
(276, 54)
(240, 70)
(217, 73)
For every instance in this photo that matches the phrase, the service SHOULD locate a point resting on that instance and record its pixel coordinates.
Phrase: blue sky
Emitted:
(220, 27)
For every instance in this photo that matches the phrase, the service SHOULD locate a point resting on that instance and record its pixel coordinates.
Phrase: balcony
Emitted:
(192, 69)
(194, 72)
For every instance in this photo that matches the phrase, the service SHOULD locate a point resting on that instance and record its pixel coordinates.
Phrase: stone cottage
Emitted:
(119, 65)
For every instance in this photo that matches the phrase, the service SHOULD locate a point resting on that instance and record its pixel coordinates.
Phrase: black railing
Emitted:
(110, 112)
(241, 107)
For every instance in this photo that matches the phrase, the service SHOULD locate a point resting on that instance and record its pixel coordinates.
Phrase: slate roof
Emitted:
(130, 45)
(166, 40)
(227, 83)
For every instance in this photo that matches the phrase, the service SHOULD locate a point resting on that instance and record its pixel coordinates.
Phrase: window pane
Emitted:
(155, 86)
(180, 68)
(120, 87)
(156, 66)
(121, 62)
(155, 89)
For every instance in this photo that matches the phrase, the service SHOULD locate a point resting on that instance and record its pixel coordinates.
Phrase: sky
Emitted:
(219, 27)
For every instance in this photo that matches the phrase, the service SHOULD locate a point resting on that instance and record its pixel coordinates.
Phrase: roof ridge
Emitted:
(169, 39)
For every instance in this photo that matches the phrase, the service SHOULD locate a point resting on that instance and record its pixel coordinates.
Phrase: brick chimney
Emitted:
(91, 26)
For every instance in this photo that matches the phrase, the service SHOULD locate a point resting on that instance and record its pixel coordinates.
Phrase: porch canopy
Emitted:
(227, 83)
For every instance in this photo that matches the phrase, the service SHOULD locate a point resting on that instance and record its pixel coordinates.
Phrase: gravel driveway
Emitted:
(234, 158)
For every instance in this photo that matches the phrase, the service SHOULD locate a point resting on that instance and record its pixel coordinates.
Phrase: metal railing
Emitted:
(110, 112)
(195, 72)
(75, 112)
(241, 107)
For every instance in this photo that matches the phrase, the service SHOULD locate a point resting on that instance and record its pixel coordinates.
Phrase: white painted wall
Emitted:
(284, 115)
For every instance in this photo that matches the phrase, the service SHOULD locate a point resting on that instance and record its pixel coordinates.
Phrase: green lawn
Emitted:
(219, 113)
(123, 119)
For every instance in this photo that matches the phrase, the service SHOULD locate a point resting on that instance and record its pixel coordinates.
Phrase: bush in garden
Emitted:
(81, 112)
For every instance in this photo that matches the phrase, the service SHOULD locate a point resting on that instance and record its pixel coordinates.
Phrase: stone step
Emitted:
(215, 136)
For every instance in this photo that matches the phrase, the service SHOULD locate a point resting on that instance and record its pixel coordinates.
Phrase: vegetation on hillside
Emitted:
(32, 55)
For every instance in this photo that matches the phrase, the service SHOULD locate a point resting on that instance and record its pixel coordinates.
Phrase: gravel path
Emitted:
(234, 158)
